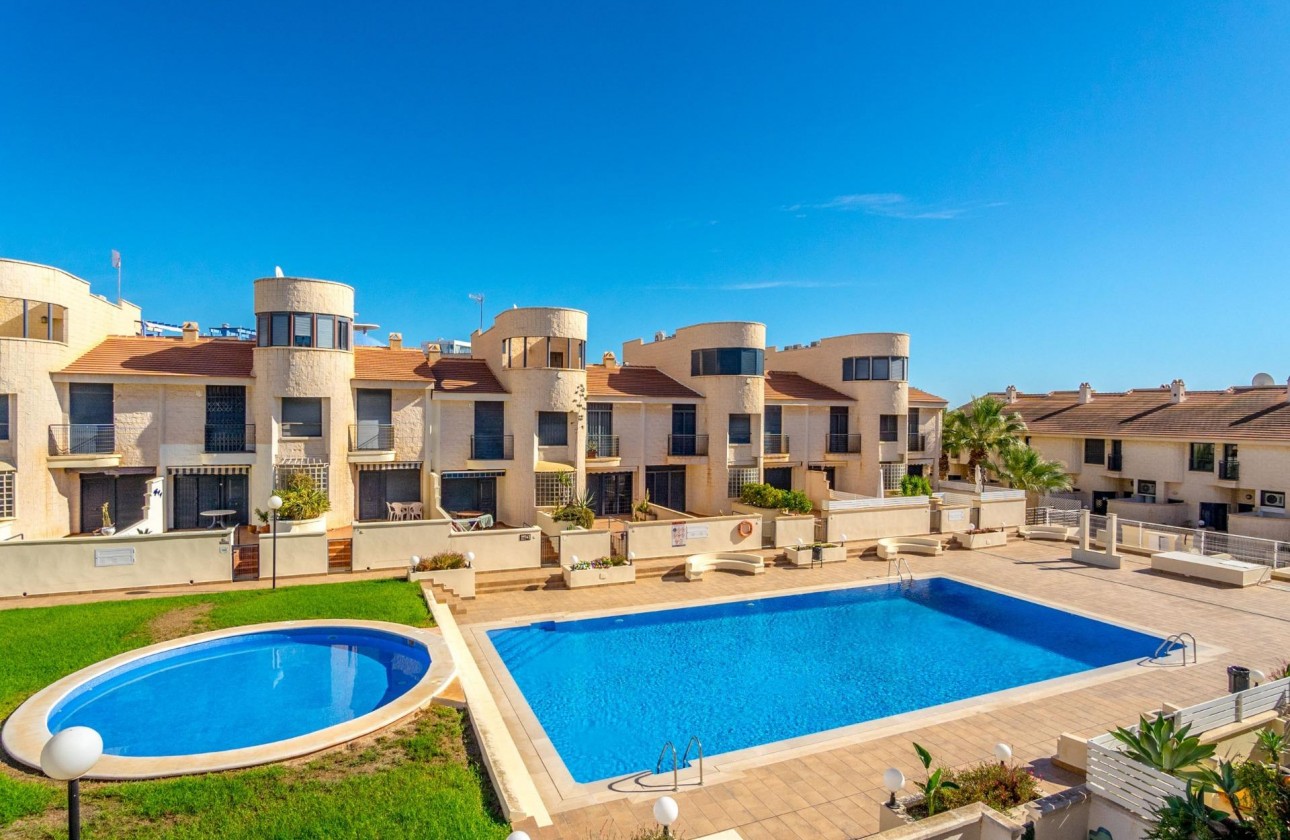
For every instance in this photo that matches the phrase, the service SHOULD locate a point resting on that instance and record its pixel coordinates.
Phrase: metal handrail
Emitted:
(694, 741)
(658, 765)
(82, 439)
(843, 443)
(602, 446)
(775, 444)
(1229, 469)
(902, 566)
(371, 437)
(492, 447)
(1177, 639)
(687, 444)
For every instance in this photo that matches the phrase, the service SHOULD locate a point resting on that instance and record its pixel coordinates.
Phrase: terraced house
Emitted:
(186, 432)
(1212, 459)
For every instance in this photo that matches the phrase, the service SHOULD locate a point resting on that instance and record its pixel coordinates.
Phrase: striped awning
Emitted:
(210, 469)
(390, 465)
(474, 474)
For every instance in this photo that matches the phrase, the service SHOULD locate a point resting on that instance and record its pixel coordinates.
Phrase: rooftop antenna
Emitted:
(478, 297)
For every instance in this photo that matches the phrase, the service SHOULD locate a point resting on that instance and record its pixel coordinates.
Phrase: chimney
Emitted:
(396, 341)
(1085, 393)
(1288, 390)
(1177, 391)
(190, 332)
(609, 360)
(1011, 394)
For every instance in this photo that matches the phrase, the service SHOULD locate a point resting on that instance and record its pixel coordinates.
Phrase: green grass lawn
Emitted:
(415, 780)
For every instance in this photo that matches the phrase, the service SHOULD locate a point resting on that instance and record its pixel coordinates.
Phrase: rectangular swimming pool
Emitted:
(610, 691)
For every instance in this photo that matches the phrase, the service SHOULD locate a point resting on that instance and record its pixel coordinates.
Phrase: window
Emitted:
(1273, 499)
(728, 361)
(525, 351)
(741, 428)
(1201, 457)
(301, 417)
(302, 329)
(863, 368)
(1094, 451)
(326, 332)
(888, 426)
(36, 319)
(739, 476)
(7, 494)
(4, 416)
(553, 428)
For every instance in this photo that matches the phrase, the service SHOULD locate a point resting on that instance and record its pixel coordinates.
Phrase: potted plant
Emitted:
(642, 511)
(302, 502)
(982, 538)
(450, 569)
(602, 571)
(593, 448)
(108, 528)
(577, 512)
(263, 516)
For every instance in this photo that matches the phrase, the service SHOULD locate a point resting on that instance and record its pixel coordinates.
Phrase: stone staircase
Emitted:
(455, 603)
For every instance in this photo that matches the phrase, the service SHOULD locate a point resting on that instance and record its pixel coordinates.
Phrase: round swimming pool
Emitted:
(238, 697)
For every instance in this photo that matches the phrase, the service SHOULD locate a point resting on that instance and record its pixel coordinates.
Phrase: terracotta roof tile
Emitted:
(634, 381)
(919, 395)
(139, 355)
(787, 385)
(1231, 415)
(448, 373)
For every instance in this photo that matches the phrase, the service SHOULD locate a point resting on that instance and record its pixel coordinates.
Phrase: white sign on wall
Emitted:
(114, 556)
(696, 532)
(678, 535)
(955, 515)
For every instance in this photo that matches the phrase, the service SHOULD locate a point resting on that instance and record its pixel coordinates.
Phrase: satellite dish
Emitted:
(277, 271)
(1263, 380)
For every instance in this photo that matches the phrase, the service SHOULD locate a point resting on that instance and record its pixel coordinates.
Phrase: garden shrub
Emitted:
(765, 496)
(442, 561)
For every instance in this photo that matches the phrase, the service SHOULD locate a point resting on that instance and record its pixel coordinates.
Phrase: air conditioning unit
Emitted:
(1274, 499)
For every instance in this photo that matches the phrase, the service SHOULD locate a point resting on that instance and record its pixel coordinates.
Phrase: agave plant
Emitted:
(1161, 744)
(936, 781)
(1223, 779)
(1188, 816)
(1272, 743)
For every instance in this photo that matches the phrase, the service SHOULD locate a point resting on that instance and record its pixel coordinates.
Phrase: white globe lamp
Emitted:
(666, 811)
(67, 756)
(894, 781)
(1003, 752)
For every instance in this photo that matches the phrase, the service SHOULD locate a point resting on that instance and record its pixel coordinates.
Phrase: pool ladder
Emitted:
(901, 566)
(1167, 647)
(693, 742)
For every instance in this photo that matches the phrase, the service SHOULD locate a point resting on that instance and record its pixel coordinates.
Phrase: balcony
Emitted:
(83, 445)
(839, 443)
(602, 446)
(229, 437)
(492, 447)
(371, 437)
(917, 442)
(1114, 463)
(775, 444)
(686, 445)
(1229, 469)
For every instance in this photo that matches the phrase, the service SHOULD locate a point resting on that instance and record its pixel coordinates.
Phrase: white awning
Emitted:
(210, 469)
(390, 465)
(551, 466)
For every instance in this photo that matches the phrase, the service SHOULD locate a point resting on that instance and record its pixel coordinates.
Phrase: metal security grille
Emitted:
(317, 470)
(739, 476)
(7, 484)
(549, 489)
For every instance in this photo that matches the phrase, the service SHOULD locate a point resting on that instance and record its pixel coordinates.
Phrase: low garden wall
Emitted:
(878, 522)
(681, 538)
(787, 529)
(86, 564)
(1009, 513)
(298, 554)
(585, 545)
(391, 545)
(512, 548)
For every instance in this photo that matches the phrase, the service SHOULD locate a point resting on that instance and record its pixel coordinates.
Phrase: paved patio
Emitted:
(832, 790)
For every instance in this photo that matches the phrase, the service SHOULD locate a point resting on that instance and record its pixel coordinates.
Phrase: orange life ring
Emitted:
(746, 528)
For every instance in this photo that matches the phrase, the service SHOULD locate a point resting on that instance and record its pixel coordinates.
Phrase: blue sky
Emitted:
(1039, 194)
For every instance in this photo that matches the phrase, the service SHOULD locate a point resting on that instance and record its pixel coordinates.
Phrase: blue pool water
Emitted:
(610, 691)
(243, 691)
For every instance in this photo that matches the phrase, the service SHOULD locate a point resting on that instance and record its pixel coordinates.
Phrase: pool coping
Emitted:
(728, 765)
(26, 732)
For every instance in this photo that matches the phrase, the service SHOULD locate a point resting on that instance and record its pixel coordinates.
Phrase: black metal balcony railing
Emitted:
(840, 443)
(917, 442)
(1229, 469)
(371, 437)
(82, 439)
(776, 444)
(302, 430)
(492, 447)
(602, 446)
(687, 444)
(1115, 463)
(229, 437)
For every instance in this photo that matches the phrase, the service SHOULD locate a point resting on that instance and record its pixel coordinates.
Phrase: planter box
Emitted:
(301, 526)
(598, 577)
(802, 556)
(987, 540)
(461, 582)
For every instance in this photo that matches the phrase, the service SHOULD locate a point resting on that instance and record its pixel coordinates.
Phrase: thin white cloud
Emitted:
(758, 285)
(889, 205)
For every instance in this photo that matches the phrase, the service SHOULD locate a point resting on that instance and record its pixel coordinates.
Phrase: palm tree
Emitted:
(1022, 468)
(982, 429)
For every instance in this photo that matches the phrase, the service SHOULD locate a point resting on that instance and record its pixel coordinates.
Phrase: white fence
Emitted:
(1152, 536)
(1142, 789)
(988, 494)
(870, 502)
